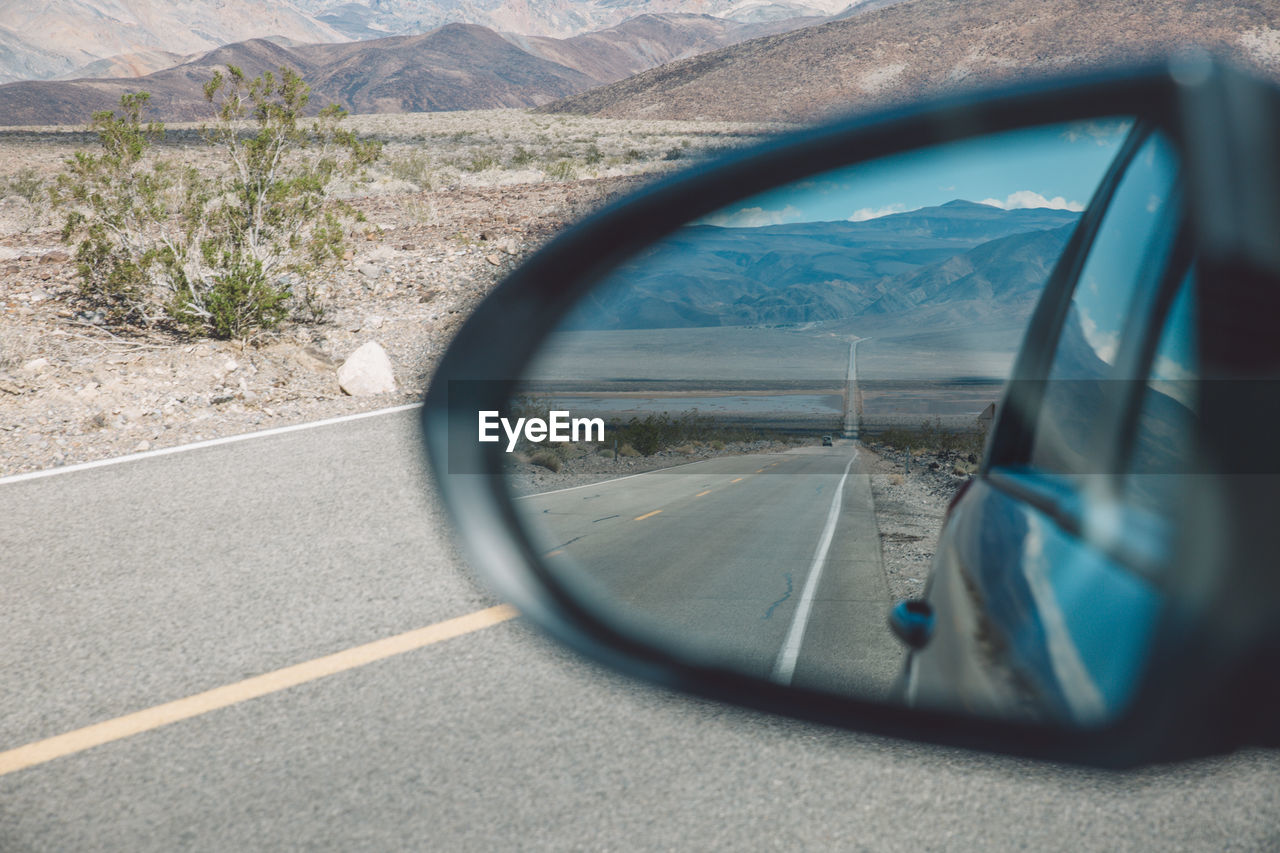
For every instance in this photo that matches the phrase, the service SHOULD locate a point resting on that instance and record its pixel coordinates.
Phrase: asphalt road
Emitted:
(770, 563)
(129, 586)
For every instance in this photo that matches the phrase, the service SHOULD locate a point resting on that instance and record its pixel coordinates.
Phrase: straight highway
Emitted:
(230, 577)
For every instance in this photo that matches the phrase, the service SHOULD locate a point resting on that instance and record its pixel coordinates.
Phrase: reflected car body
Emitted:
(1044, 586)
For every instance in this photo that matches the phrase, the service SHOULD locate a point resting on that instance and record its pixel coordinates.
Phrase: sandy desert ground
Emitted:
(456, 200)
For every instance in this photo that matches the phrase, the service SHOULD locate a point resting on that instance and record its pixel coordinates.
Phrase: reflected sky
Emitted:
(1056, 166)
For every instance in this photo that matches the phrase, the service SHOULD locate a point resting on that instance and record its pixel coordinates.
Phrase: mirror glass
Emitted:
(743, 442)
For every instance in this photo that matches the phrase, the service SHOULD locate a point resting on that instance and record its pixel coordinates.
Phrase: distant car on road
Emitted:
(826, 440)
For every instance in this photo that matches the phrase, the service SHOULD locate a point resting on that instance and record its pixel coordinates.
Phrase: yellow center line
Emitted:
(556, 553)
(97, 734)
(648, 515)
(700, 494)
(739, 480)
(761, 471)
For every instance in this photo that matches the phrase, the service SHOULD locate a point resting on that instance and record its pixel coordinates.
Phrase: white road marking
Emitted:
(213, 442)
(785, 666)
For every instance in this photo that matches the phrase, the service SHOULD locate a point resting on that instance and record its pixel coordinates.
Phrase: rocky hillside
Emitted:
(555, 18)
(54, 37)
(910, 49)
(647, 41)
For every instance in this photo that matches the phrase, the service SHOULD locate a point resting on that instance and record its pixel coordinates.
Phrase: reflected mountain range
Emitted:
(990, 261)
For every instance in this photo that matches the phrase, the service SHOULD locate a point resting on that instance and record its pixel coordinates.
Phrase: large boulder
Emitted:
(367, 371)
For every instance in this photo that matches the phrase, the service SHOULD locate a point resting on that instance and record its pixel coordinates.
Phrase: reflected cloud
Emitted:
(865, 213)
(754, 217)
(1100, 132)
(1028, 199)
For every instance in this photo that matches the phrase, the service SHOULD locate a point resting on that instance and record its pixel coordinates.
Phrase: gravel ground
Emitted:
(910, 506)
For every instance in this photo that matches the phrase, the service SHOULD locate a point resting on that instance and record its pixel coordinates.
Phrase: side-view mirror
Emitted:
(949, 423)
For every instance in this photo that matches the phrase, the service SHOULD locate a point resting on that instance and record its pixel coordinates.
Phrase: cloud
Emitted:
(1105, 344)
(865, 213)
(754, 217)
(1101, 132)
(1024, 199)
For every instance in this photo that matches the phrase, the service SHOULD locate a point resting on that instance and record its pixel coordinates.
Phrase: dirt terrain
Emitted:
(456, 201)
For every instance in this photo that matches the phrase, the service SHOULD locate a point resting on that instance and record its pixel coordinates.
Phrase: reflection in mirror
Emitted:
(763, 417)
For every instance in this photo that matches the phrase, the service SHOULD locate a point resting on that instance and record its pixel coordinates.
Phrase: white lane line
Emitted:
(785, 667)
(213, 442)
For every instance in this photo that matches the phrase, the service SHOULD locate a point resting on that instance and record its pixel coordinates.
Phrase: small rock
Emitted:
(57, 256)
(142, 445)
(493, 259)
(373, 322)
(367, 371)
(36, 365)
(368, 270)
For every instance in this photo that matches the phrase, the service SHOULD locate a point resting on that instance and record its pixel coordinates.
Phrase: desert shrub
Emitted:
(631, 155)
(214, 253)
(654, 433)
(561, 170)
(25, 183)
(548, 459)
(717, 445)
(593, 154)
(627, 450)
(480, 163)
(521, 156)
(673, 154)
(414, 167)
(933, 437)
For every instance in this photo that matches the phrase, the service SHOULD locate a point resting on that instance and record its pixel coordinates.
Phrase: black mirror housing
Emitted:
(1191, 701)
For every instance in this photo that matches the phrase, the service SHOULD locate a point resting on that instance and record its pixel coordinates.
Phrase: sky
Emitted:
(1055, 166)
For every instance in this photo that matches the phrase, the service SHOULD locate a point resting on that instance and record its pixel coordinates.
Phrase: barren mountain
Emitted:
(555, 18)
(647, 41)
(917, 47)
(54, 37)
(456, 67)
(936, 258)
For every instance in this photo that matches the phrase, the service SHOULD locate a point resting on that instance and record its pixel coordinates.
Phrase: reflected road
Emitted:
(736, 554)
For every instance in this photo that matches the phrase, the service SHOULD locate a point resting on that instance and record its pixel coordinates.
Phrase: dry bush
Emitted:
(548, 459)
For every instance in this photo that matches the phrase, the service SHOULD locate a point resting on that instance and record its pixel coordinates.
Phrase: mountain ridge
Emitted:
(910, 49)
(979, 260)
